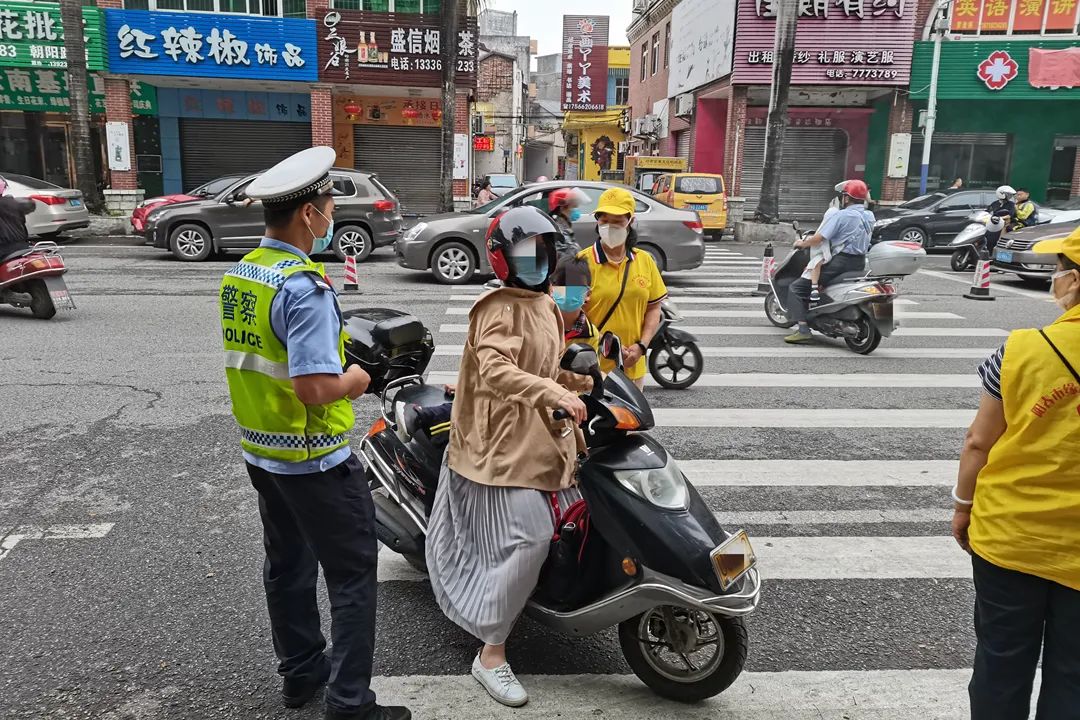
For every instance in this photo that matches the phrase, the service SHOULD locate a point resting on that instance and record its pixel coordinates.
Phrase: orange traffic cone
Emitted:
(768, 267)
(350, 274)
(980, 284)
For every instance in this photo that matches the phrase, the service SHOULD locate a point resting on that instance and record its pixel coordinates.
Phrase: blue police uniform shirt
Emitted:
(848, 231)
(307, 320)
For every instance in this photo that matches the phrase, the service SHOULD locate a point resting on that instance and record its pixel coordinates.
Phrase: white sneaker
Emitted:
(500, 683)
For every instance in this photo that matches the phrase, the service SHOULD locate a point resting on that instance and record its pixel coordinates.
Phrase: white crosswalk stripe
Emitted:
(924, 315)
(754, 330)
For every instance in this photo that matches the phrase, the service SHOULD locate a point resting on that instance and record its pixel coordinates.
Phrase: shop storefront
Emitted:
(386, 75)
(232, 91)
(1007, 112)
(847, 56)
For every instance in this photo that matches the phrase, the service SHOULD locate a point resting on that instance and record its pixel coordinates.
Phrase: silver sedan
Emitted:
(452, 245)
(56, 209)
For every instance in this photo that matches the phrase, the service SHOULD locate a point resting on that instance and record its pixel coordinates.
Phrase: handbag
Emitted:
(565, 576)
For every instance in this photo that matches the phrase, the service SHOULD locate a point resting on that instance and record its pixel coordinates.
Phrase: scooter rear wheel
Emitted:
(41, 302)
(777, 315)
(963, 259)
(676, 367)
(697, 658)
(868, 340)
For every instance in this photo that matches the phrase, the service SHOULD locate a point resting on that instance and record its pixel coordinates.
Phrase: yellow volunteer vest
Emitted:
(1026, 515)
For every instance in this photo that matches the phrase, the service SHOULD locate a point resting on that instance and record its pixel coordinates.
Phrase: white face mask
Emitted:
(613, 236)
(1062, 302)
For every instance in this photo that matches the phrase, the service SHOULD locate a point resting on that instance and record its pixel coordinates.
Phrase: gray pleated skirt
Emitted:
(486, 546)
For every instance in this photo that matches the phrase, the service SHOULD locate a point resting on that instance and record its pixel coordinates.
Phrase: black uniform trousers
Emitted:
(1017, 616)
(327, 519)
(799, 291)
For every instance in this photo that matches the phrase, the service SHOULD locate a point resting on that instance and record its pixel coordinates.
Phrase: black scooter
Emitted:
(655, 561)
(675, 360)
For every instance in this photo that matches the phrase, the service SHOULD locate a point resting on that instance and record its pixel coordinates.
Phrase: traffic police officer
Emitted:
(284, 358)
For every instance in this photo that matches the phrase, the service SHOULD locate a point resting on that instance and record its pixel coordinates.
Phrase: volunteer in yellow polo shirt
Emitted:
(626, 285)
(1017, 511)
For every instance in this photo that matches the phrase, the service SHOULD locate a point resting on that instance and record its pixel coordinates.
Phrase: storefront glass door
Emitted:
(1062, 166)
(57, 162)
(979, 162)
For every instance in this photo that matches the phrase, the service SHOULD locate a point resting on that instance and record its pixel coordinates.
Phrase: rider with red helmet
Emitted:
(848, 236)
(564, 205)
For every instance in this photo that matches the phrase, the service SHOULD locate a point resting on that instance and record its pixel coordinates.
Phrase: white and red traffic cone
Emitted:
(768, 267)
(350, 285)
(980, 284)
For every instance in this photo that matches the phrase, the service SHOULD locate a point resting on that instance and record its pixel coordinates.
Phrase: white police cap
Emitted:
(299, 175)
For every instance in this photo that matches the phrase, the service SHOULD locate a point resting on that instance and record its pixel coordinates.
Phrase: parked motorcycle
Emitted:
(857, 306)
(673, 351)
(34, 278)
(654, 560)
(970, 244)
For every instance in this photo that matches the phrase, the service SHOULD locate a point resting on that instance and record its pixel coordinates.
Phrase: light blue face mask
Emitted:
(575, 215)
(531, 272)
(570, 297)
(319, 244)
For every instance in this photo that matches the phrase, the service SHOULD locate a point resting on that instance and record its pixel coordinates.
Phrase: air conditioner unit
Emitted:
(684, 104)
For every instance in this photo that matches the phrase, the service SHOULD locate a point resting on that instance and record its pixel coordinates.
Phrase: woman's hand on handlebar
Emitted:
(573, 407)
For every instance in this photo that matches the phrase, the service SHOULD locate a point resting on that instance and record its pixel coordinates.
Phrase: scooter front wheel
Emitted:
(676, 367)
(777, 315)
(684, 654)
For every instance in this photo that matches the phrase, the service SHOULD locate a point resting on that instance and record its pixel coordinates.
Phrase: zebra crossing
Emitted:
(838, 465)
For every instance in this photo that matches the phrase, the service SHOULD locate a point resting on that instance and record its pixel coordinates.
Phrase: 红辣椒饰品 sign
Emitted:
(584, 63)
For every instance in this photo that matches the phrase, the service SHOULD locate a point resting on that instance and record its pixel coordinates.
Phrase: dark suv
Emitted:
(366, 216)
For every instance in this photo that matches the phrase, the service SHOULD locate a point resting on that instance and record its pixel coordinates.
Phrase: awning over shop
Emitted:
(580, 120)
(1055, 68)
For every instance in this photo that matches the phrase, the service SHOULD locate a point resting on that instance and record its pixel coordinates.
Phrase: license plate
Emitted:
(700, 207)
(1005, 255)
(75, 203)
(732, 559)
(58, 291)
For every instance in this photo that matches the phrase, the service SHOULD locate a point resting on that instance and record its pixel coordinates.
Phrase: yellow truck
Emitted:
(641, 171)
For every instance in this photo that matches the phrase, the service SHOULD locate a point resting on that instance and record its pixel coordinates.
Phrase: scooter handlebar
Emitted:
(560, 414)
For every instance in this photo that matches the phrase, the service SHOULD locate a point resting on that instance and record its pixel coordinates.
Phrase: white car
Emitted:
(1065, 211)
(56, 209)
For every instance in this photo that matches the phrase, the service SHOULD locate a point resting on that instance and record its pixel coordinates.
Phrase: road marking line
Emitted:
(1032, 294)
(845, 473)
(12, 537)
(735, 518)
(776, 380)
(753, 330)
(803, 557)
(900, 312)
(812, 418)
(789, 695)
(802, 351)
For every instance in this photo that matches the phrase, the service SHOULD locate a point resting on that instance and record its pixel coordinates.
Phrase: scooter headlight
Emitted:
(663, 487)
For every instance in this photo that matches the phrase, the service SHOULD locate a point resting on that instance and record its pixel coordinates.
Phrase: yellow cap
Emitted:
(616, 201)
(1069, 246)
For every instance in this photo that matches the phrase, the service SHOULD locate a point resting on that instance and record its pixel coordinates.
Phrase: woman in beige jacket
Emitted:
(492, 521)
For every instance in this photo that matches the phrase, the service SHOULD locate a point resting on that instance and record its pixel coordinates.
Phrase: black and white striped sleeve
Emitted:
(990, 372)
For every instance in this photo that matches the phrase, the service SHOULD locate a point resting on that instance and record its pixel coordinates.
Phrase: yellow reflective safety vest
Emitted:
(273, 422)
(1026, 515)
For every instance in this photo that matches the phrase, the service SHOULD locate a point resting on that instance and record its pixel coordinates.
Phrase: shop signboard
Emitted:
(461, 156)
(398, 49)
(999, 69)
(992, 16)
(584, 69)
(484, 143)
(234, 104)
(32, 35)
(45, 90)
(839, 42)
(244, 47)
(369, 110)
(702, 37)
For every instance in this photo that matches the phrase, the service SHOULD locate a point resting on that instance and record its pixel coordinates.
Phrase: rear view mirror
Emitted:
(795, 225)
(611, 347)
(579, 358)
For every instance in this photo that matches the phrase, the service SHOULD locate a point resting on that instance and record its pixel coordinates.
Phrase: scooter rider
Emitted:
(848, 234)
(13, 212)
(1027, 213)
(1005, 209)
(564, 206)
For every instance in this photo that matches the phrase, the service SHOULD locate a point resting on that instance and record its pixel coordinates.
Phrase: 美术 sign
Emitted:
(584, 68)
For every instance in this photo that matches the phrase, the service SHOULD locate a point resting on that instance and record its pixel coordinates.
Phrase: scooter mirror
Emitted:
(611, 346)
(795, 226)
(579, 358)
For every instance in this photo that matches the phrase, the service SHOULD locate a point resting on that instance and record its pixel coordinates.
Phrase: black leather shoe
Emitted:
(376, 712)
(295, 692)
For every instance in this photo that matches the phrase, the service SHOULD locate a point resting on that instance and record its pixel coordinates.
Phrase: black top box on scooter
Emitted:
(388, 344)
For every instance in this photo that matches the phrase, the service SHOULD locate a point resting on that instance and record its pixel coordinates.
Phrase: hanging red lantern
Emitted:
(436, 115)
(410, 113)
(353, 108)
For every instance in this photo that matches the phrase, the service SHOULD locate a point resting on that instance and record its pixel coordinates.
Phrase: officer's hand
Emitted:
(358, 381)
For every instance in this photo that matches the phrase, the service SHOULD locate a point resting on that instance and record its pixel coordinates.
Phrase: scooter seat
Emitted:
(16, 254)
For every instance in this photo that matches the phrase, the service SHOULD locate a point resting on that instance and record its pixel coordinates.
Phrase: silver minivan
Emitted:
(452, 245)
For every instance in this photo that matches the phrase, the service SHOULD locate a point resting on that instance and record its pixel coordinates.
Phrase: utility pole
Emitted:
(787, 17)
(938, 30)
(451, 9)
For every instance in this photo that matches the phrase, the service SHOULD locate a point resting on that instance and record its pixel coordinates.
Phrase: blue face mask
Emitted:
(319, 244)
(575, 215)
(532, 273)
(570, 298)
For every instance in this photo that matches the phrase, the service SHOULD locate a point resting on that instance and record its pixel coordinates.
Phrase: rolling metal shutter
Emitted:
(682, 144)
(408, 161)
(212, 148)
(813, 162)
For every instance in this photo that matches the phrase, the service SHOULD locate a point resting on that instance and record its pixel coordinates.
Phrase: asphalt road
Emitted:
(130, 555)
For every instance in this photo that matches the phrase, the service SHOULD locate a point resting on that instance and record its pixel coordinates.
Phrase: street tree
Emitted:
(787, 16)
(452, 13)
(71, 16)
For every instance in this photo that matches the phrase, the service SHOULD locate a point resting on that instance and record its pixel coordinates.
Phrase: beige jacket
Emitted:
(502, 432)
